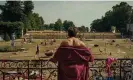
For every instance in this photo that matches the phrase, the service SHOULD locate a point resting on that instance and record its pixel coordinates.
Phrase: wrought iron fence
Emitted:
(122, 69)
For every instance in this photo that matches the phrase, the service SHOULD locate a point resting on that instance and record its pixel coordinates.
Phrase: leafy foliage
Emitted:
(11, 27)
(12, 11)
(58, 25)
(6, 37)
(18, 15)
(67, 24)
(28, 7)
(120, 15)
(51, 26)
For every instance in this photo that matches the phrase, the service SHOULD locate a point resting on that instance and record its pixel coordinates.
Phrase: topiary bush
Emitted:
(10, 49)
(11, 27)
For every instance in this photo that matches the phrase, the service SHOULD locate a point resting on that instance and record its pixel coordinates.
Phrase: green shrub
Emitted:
(10, 49)
(11, 27)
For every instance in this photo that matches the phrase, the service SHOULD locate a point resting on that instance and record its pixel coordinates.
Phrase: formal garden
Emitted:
(27, 43)
(119, 48)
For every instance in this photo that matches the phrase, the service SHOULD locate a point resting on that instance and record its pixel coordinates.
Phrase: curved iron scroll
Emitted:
(122, 69)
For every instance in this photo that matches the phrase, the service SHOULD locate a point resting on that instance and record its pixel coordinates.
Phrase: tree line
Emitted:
(18, 15)
(60, 25)
(15, 12)
(120, 15)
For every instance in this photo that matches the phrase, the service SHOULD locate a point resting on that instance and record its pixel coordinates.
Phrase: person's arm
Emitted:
(91, 56)
(54, 59)
(63, 43)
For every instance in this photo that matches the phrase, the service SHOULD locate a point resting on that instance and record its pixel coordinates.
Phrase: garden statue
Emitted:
(12, 43)
(13, 36)
(122, 35)
(113, 29)
(37, 51)
(30, 38)
(25, 40)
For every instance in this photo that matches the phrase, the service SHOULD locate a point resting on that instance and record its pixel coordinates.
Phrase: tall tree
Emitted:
(51, 26)
(87, 29)
(58, 25)
(41, 20)
(82, 28)
(28, 7)
(119, 16)
(12, 11)
(132, 16)
(46, 26)
(97, 25)
(67, 24)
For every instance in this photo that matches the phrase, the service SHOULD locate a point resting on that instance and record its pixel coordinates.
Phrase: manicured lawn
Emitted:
(30, 53)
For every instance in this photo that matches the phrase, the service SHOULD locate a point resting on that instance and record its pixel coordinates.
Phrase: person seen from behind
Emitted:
(73, 57)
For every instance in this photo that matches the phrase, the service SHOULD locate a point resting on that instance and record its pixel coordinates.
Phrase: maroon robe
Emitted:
(73, 63)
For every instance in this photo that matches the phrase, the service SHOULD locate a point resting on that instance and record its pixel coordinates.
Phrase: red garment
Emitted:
(73, 63)
(109, 61)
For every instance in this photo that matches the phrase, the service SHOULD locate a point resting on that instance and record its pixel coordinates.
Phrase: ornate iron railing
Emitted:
(122, 69)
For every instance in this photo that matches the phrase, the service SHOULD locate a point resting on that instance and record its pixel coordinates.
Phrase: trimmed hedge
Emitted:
(10, 49)
(11, 27)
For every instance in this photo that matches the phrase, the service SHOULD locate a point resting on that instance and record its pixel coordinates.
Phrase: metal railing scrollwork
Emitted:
(122, 69)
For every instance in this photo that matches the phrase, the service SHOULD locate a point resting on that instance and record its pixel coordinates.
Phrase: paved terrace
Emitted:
(122, 69)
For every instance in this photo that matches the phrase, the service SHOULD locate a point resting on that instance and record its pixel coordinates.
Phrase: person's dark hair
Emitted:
(72, 31)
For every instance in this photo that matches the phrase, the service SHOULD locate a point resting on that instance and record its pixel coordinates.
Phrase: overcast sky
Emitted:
(80, 12)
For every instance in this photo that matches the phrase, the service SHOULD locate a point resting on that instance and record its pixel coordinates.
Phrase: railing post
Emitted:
(3, 76)
(120, 69)
(28, 70)
(41, 69)
(18, 72)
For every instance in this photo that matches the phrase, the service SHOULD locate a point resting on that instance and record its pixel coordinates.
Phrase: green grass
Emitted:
(95, 50)
(10, 49)
(111, 48)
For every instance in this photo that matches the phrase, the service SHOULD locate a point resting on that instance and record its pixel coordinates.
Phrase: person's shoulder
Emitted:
(64, 43)
(80, 43)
